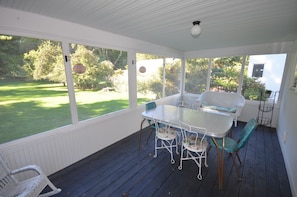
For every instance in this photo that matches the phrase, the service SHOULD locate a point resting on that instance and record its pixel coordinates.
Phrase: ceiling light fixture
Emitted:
(196, 29)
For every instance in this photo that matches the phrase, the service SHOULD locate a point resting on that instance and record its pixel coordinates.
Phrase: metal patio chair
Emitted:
(194, 146)
(165, 138)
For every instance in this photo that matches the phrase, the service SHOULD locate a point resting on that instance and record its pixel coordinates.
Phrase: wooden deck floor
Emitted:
(123, 170)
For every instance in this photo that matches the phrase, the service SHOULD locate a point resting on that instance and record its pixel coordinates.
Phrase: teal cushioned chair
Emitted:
(149, 106)
(232, 146)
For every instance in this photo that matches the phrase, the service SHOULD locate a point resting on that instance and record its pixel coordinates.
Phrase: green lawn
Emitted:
(27, 108)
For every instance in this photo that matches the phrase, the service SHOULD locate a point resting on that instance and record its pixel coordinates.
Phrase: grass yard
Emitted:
(28, 108)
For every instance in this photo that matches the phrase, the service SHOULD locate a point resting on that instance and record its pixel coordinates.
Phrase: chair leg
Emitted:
(171, 155)
(176, 146)
(199, 176)
(168, 145)
(156, 147)
(180, 167)
(238, 158)
(208, 149)
(197, 158)
(205, 159)
(54, 189)
(237, 170)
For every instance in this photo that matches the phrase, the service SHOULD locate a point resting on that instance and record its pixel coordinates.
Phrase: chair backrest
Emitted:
(7, 181)
(164, 127)
(192, 134)
(246, 133)
(224, 99)
(150, 105)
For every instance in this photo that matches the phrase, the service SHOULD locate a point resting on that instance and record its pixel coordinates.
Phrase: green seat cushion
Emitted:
(227, 109)
(220, 108)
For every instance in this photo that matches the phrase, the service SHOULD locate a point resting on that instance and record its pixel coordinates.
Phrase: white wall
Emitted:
(56, 149)
(287, 122)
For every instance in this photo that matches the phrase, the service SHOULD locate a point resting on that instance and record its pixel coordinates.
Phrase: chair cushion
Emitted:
(220, 108)
(166, 133)
(195, 145)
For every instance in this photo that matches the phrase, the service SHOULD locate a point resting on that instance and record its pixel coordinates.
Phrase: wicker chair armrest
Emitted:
(35, 168)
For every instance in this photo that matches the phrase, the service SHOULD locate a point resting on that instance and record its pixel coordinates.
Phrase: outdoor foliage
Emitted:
(11, 65)
(97, 75)
(32, 70)
(35, 59)
(154, 83)
(251, 88)
(225, 73)
(45, 63)
(196, 75)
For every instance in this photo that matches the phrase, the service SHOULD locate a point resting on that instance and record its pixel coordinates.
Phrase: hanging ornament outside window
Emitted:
(142, 69)
(79, 68)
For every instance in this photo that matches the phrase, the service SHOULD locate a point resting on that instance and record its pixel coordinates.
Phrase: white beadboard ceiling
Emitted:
(224, 23)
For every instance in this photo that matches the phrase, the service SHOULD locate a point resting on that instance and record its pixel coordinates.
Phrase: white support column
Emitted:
(164, 78)
(182, 76)
(69, 80)
(132, 79)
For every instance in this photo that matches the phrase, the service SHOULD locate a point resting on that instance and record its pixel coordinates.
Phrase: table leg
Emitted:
(220, 153)
(140, 133)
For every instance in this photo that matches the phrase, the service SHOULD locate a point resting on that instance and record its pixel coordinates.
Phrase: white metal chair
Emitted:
(10, 186)
(194, 146)
(166, 138)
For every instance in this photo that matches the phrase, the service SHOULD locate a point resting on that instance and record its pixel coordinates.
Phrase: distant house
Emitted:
(268, 69)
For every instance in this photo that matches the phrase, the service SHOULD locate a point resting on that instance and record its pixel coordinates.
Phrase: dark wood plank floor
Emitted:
(123, 170)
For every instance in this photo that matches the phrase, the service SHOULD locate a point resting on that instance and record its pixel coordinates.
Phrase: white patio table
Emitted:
(217, 125)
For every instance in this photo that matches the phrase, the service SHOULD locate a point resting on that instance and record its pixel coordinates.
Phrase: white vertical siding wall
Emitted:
(56, 149)
(287, 121)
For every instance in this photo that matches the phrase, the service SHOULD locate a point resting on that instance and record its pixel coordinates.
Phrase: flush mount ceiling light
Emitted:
(196, 29)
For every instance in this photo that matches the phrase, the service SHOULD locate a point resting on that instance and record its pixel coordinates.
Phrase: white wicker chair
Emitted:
(32, 187)
(167, 135)
(194, 146)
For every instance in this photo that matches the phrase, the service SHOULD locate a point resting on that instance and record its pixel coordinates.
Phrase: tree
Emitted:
(172, 73)
(142, 56)
(116, 57)
(46, 63)
(11, 58)
(251, 88)
(172, 77)
(98, 74)
(225, 73)
(196, 75)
